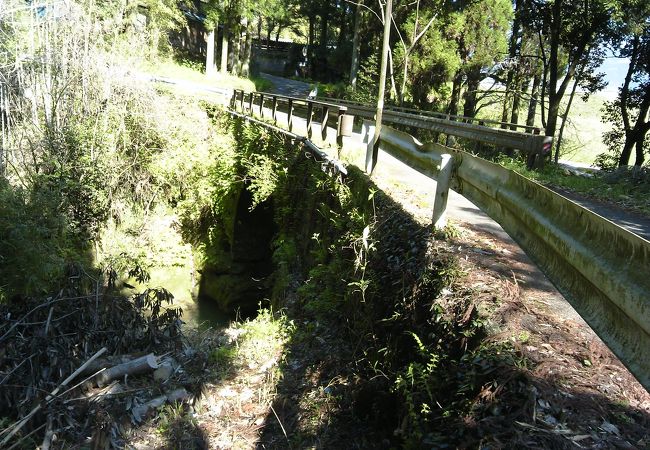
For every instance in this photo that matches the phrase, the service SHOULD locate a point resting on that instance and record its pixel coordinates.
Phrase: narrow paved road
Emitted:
(631, 221)
(286, 86)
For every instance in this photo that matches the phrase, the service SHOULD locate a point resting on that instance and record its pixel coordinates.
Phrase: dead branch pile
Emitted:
(54, 352)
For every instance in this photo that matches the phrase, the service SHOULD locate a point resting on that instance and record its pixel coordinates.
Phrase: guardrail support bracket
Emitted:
(442, 192)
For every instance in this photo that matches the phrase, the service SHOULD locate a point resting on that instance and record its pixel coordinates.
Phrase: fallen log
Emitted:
(136, 366)
(105, 363)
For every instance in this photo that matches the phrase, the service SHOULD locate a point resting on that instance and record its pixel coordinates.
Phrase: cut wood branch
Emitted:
(137, 366)
(110, 361)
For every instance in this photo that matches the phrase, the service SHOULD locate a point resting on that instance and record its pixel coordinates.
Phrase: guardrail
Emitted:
(330, 114)
(398, 109)
(459, 126)
(599, 267)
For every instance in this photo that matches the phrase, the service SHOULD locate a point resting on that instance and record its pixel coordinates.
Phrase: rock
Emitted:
(163, 372)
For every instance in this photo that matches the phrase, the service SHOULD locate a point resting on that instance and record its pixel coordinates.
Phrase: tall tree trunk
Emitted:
(224, 51)
(532, 104)
(310, 44)
(565, 115)
(634, 136)
(505, 111)
(404, 75)
(555, 92)
(270, 25)
(354, 66)
(513, 49)
(393, 87)
(455, 94)
(640, 157)
(259, 30)
(343, 30)
(246, 57)
(516, 101)
(234, 51)
(324, 24)
(209, 54)
(624, 159)
(473, 81)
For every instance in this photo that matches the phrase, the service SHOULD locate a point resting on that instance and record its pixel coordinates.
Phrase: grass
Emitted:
(194, 72)
(623, 192)
(583, 134)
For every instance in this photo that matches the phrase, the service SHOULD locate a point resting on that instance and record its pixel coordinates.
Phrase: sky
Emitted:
(614, 69)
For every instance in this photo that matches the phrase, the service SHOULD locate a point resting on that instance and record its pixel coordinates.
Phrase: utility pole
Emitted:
(373, 149)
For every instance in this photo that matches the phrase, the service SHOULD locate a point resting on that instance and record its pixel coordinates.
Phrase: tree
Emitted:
(479, 31)
(570, 33)
(483, 40)
(629, 112)
(211, 24)
(415, 28)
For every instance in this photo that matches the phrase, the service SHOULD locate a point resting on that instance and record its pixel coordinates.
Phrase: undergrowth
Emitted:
(404, 332)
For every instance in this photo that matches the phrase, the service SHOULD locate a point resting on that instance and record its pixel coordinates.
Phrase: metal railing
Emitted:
(358, 106)
(529, 143)
(330, 115)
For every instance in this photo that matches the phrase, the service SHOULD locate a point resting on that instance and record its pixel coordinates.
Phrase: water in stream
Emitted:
(170, 265)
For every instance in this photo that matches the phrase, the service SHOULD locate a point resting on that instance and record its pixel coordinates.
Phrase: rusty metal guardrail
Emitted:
(599, 267)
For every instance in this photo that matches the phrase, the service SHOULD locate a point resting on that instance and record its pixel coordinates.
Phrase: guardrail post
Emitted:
(365, 131)
(275, 109)
(339, 135)
(323, 126)
(241, 103)
(368, 136)
(439, 218)
(250, 103)
(233, 99)
(262, 106)
(290, 115)
(310, 110)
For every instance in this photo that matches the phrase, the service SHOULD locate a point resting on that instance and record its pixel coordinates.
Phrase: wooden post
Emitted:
(323, 127)
(290, 115)
(371, 155)
(275, 109)
(310, 111)
(442, 192)
(366, 131)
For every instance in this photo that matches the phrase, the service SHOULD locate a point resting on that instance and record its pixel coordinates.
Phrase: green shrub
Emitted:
(34, 241)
